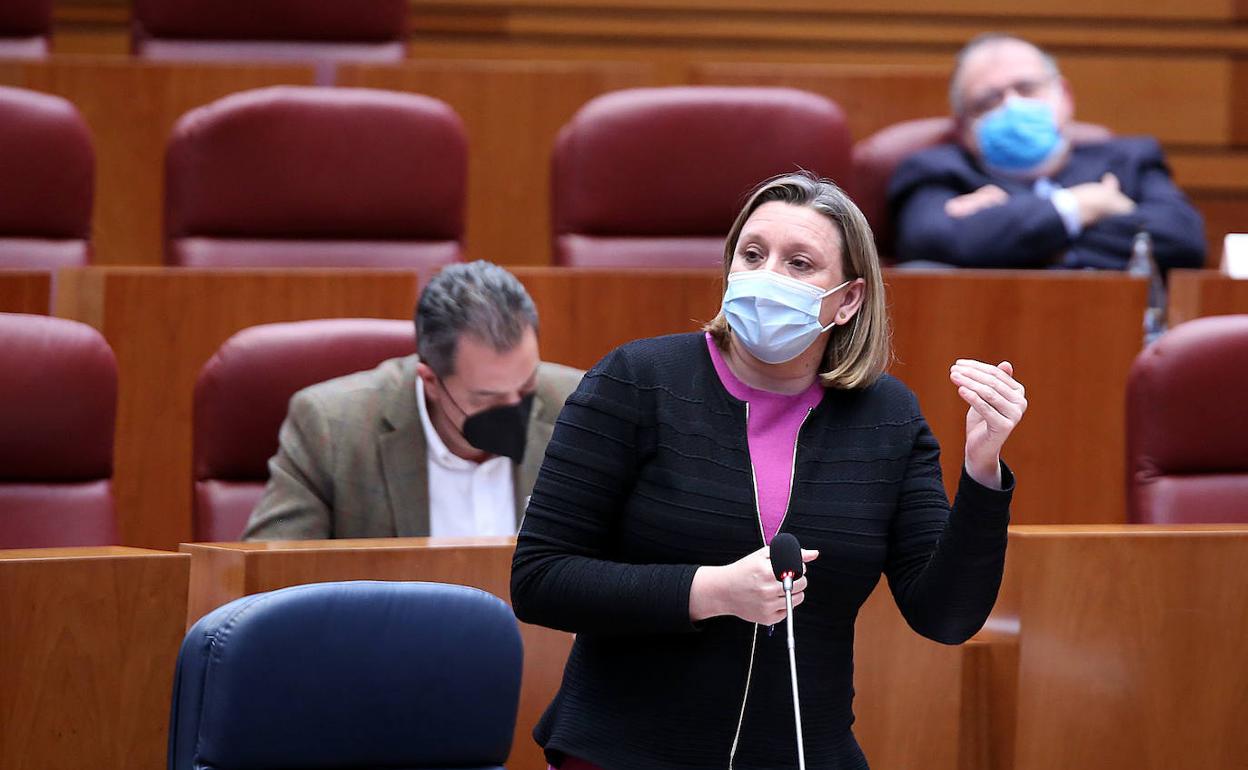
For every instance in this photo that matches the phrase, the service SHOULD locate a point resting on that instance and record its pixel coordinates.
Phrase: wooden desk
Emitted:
(1111, 646)
(26, 291)
(1131, 646)
(87, 652)
(130, 106)
(221, 572)
(1198, 293)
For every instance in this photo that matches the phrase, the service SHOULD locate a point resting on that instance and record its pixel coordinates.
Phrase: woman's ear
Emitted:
(855, 295)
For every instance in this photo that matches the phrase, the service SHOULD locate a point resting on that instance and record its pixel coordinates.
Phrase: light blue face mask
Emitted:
(775, 317)
(1019, 136)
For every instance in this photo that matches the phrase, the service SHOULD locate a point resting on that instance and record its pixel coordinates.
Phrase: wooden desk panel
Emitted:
(908, 694)
(164, 324)
(87, 652)
(26, 291)
(512, 111)
(130, 106)
(1071, 338)
(1131, 652)
(221, 572)
(1199, 293)
(587, 313)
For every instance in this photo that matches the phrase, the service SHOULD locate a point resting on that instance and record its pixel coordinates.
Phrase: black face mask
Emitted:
(500, 430)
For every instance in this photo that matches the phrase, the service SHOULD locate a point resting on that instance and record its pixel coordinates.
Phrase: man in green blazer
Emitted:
(446, 442)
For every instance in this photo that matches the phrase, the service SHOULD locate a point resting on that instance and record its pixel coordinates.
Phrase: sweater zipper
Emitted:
(736, 737)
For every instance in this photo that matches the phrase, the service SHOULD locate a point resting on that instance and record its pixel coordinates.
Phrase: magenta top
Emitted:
(771, 434)
(771, 428)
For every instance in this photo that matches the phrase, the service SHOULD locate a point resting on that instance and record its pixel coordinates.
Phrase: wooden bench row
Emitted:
(1112, 647)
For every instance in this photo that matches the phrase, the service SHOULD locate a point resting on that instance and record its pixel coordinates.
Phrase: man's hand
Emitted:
(985, 197)
(1099, 200)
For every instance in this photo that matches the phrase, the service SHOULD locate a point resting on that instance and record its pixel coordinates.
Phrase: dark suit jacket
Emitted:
(352, 460)
(1027, 231)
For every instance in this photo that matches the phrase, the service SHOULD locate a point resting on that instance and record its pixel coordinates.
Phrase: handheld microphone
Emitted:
(786, 564)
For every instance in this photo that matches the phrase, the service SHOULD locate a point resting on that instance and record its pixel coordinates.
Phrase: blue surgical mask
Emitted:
(775, 317)
(1019, 136)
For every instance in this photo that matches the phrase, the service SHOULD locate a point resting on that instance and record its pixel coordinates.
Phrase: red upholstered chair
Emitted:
(241, 399)
(58, 401)
(876, 157)
(653, 177)
(1187, 425)
(316, 177)
(25, 26)
(323, 32)
(47, 178)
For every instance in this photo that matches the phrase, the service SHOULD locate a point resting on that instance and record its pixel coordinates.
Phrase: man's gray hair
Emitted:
(983, 41)
(477, 298)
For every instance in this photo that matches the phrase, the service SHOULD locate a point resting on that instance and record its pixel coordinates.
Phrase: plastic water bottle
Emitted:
(1144, 265)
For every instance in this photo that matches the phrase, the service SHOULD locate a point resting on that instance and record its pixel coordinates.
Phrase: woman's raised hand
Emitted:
(997, 403)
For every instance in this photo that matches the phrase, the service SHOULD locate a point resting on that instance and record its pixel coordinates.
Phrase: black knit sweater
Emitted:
(647, 477)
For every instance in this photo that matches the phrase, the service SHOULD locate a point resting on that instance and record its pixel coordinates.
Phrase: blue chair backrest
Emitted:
(349, 675)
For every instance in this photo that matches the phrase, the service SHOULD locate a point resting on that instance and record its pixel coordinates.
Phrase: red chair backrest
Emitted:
(241, 398)
(25, 26)
(58, 401)
(316, 177)
(47, 179)
(653, 177)
(1187, 425)
(876, 157)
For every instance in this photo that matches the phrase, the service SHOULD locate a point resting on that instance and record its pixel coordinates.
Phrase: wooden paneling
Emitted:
(907, 691)
(1157, 9)
(1222, 214)
(512, 112)
(225, 571)
(1196, 92)
(873, 97)
(87, 656)
(1199, 293)
(130, 107)
(1071, 338)
(163, 324)
(1131, 652)
(587, 313)
(25, 291)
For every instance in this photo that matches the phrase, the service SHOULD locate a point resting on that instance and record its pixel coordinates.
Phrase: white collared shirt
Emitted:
(1063, 200)
(465, 498)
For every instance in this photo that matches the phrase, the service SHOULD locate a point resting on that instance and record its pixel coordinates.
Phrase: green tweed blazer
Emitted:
(352, 459)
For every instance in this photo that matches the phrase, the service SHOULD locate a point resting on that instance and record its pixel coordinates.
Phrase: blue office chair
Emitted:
(349, 675)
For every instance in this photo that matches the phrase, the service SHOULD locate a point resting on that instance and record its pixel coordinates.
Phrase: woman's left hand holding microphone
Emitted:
(747, 589)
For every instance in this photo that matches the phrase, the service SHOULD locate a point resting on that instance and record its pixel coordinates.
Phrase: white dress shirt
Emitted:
(465, 498)
(1064, 201)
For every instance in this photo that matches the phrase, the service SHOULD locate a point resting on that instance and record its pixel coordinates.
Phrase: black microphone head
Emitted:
(786, 556)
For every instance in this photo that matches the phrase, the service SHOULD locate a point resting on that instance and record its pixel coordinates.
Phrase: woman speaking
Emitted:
(679, 458)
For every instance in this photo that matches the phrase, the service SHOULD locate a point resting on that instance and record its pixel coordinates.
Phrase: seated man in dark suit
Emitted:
(445, 443)
(1015, 192)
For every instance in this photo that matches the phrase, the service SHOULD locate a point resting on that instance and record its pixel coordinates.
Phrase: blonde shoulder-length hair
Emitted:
(857, 352)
